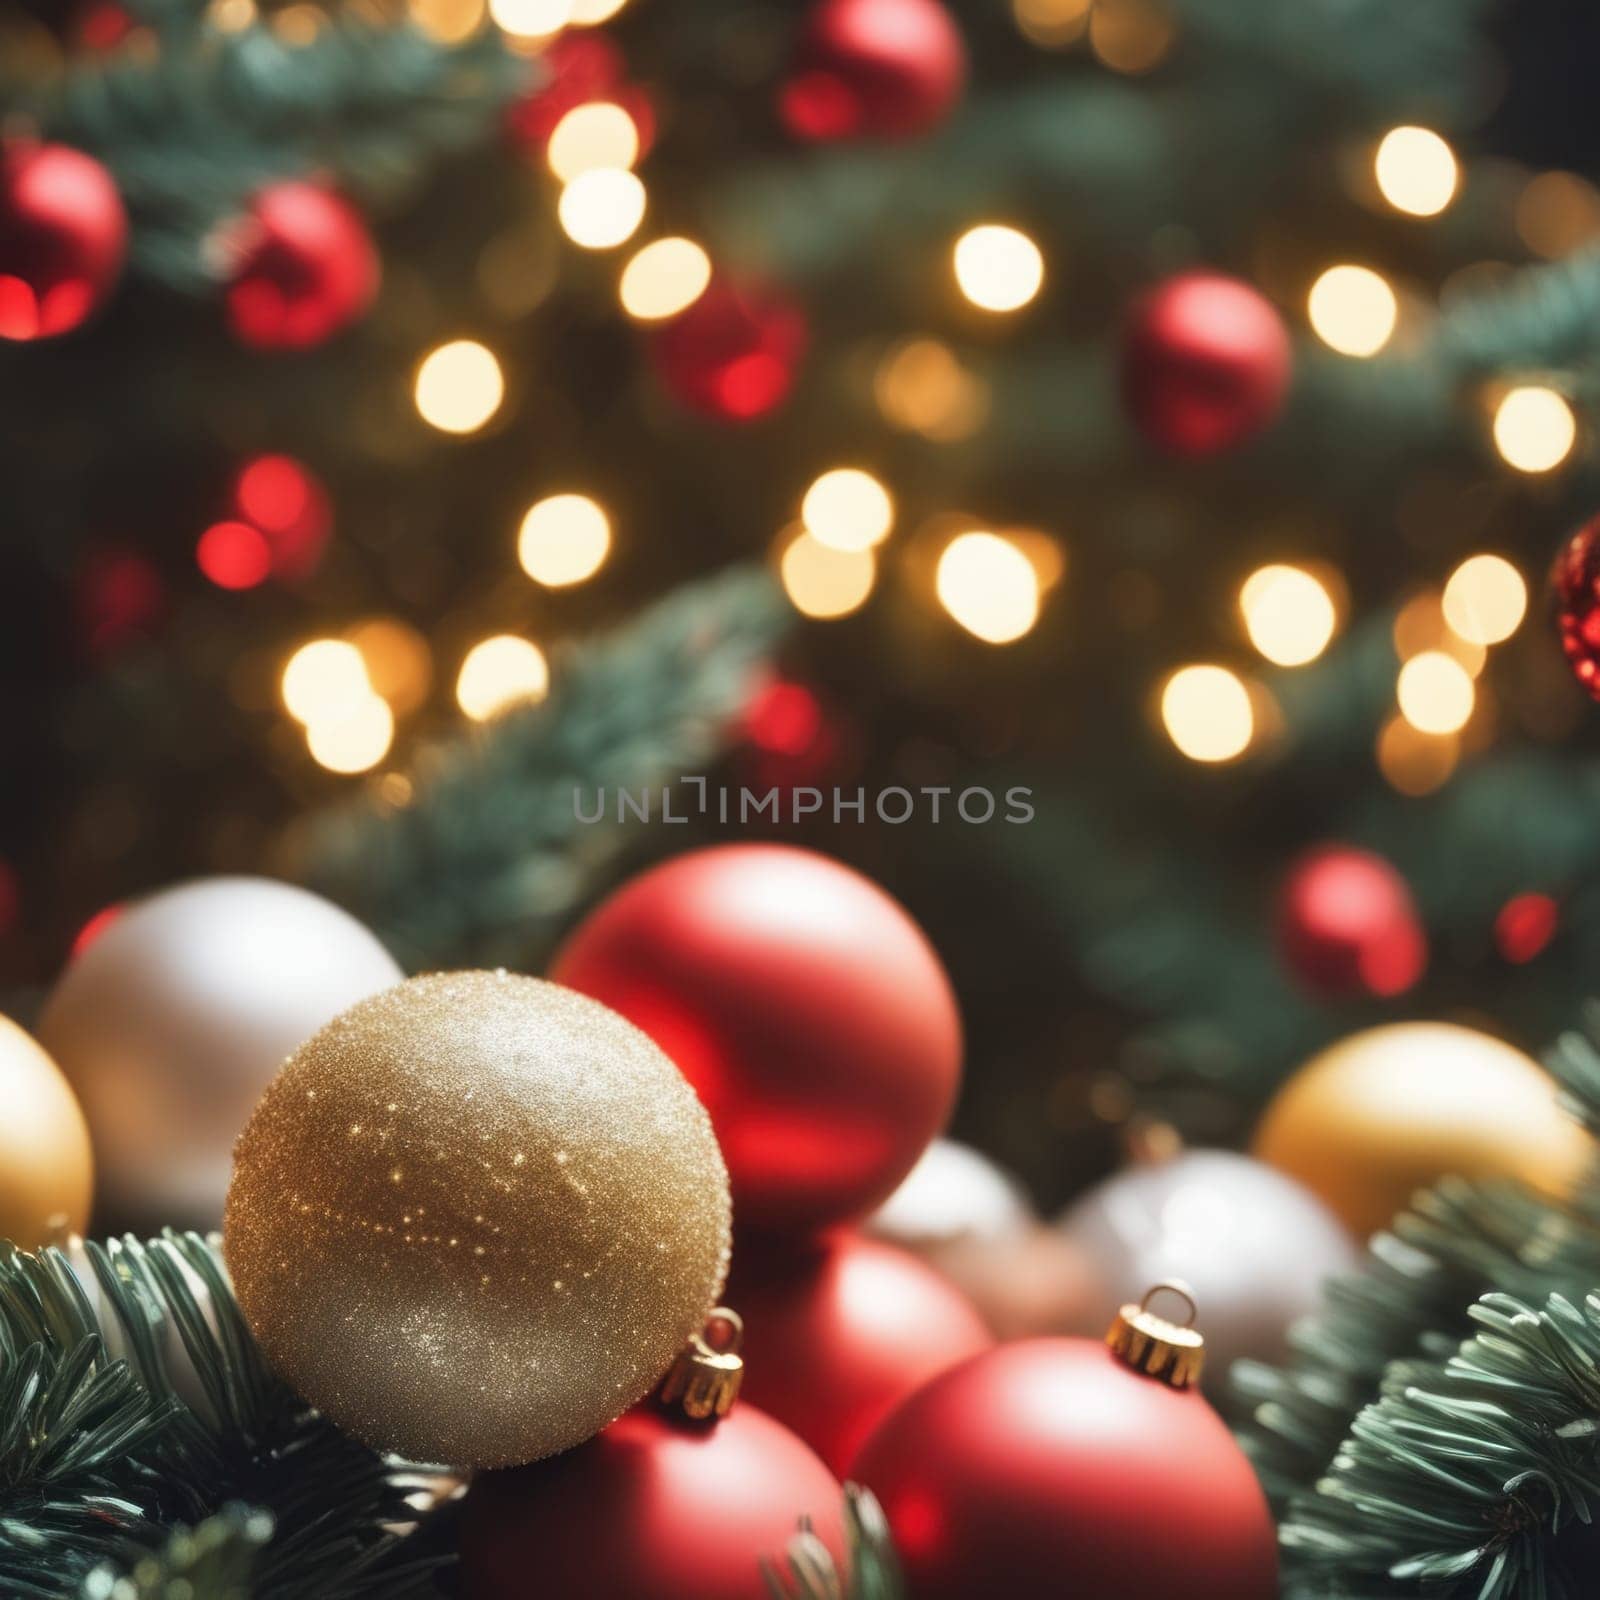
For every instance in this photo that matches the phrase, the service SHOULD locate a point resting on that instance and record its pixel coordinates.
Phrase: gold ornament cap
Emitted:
(704, 1381)
(1174, 1352)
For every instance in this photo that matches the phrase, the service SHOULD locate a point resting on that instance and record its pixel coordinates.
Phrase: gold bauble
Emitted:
(46, 1169)
(476, 1217)
(1384, 1113)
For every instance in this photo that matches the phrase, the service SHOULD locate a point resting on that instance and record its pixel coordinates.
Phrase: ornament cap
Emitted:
(1174, 1352)
(704, 1381)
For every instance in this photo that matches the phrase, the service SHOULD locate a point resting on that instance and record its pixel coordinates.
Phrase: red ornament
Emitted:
(733, 354)
(63, 239)
(306, 267)
(1348, 925)
(806, 1008)
(577, 68)
(839, 1336)
(1206, 363)
(1047, 1468)
(790, 740)
(876, 69)
(1525, 925)
(118, 597)
(652, 1506)
(288, 503)
(1575, 586)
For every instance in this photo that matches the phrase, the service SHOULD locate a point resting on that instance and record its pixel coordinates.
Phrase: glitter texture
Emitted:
(474, 1218)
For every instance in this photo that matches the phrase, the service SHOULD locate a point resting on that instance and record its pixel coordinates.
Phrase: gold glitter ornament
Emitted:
(476, 1217)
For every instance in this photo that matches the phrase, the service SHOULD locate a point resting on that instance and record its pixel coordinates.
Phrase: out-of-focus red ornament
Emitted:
(790, 740)
(575, 69)
(288, 503)
(733, 354)
(1347, 924)
(876, 69)
(840, 1334)
(1575, 590)
(305, 267)
(807, 1009)
(63, 239)
(102, 25)
(118, 596)
(1051, 1465)
(651, 1506)
(1525, 925)
(1205, 365)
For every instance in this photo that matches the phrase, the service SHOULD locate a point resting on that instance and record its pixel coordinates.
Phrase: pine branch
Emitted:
(488, 857)
(809, 1571)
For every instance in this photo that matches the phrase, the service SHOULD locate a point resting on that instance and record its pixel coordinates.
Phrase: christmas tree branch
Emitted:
(809, 1571)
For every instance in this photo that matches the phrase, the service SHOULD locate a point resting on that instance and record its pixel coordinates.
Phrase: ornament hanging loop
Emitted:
(704, 1381)
(1173, 1352)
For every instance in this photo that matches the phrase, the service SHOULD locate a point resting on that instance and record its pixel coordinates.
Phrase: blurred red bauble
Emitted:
(789, 740)
(734, 354)
(837, 1336)
(1525, 925)
(1347, 924)
(63, 239)
(807, 1009)
(575, 69)
(118, 598)
(651, 1506)
(875, 69)
(306, 267)
(1575, 589)
(1047, 1468)
(1206, 363)
(288, 503)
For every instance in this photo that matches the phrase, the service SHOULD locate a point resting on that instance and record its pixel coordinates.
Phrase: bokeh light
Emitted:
(459, 386)
(1435, 692)
(598, 134)
(1131, 36)
(355, 741)
(325, 680)
(589, 13)
(233, 555)
(1415, 763)
(1420, 625)
(602, 208)
(500, 672)
(922, 387)
(531, 19)
(1525, 925)
(1416, 171)
(847, 509)
(446, 21)
(989, 586)
(564, 540)
(1052, 23)
(1353, 310)
(1288, 613)
(1534, 428)
(665, 277)
(1207, 713)
(824, 582)
(398, 661)
(998, 268)
(1558, 213)
(1485, 599)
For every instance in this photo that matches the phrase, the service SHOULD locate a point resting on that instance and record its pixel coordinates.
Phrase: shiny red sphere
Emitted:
(875, 69)
(1347, 925)
(804, 1005)
(734, 354)
(306, 267)
(837, 1337)
(63, 239)
(1575, 590)
(650, 1507)
(1046, 1468)
(1206, 364)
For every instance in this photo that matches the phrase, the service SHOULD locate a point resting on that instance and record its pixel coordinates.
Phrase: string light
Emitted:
(1416, 171)
(398, 661)
(531, 19)
(847, 509)
(1288, 613)
(598, 134)
(446, 21)
(1353, 310)
(989, 586)
(325, 681)
(564, 539)
(1557, 213)
(1131, 36)
(666, 277)
(1052, 23)
(459, 386)
(602, 208)
(998, 268)
(354, 742)
(1485, 600)
(1435, 693)
(1413, 762)
(501, 672)
(589, 13)
(825, 582)
(1207, 713)
(233, 555)
(921, 386)
(1534, 428)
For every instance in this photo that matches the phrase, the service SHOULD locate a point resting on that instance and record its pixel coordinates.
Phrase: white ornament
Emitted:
(952, 1193)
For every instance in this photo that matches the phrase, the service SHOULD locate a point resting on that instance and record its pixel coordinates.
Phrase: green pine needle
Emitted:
(809, 1572)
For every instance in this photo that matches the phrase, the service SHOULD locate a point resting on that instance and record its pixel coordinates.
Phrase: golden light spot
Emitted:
(666, 277)
(1534, 428)
(1207, 713)
(1416, 171)
(587, 13)
(1288, 613)
(847, 509)
(447, 21)
(399, 665)
(325, 680)
(1413, 762)
(1353, 310)
(989, 586)
(1485, 599)
(1435, 693)
(824, 582)
(1558, 213)
(1420, 625)
(500, 672)
(602, 208)
(598, 134)
(564, 539)
(921, 386)
(355, 741)
(1052, 23)
(1131, 36)
(998, 268)
(531, 19)
(459, 386)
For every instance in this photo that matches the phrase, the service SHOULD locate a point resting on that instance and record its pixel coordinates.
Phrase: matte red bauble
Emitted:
(803, 1004)
(1347, 924)
(734, 354)
(63, 239)
(877, 69)
(1575, 591)
(306, 267)
(1206, 364)
(1046, 1468)
(836, 1338)
(652, 1507)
